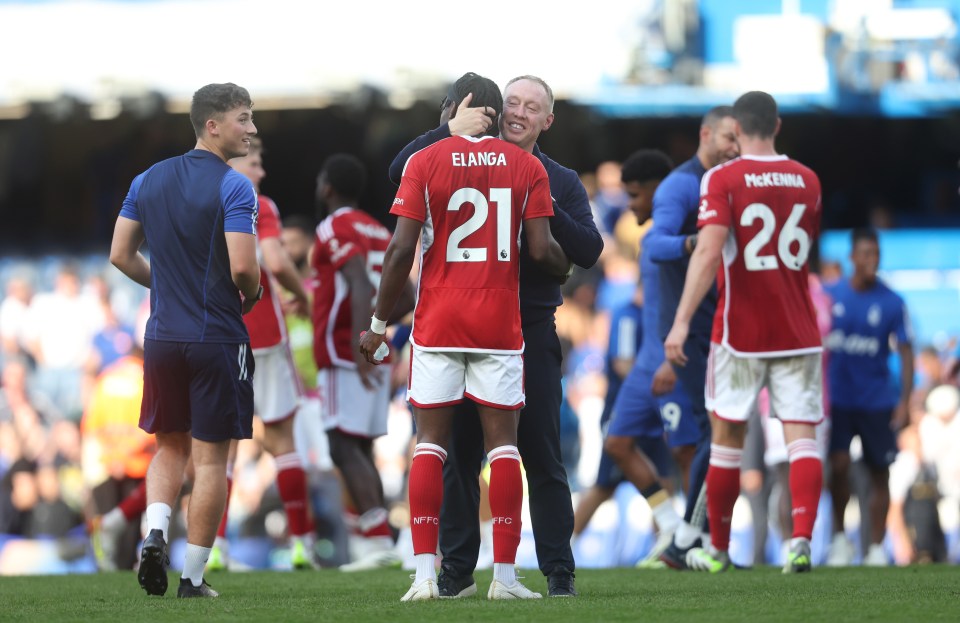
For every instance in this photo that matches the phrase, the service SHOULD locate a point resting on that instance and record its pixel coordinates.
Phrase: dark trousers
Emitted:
(538, 439)
(693, 376)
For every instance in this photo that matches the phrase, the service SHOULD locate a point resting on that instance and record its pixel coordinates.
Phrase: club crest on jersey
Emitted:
(337, 251)
(874, 315)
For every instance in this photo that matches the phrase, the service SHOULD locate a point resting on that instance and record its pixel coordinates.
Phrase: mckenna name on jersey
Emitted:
(479, 159)
(774, 178)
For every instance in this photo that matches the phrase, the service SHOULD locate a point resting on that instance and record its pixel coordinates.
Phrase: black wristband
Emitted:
(258, 296)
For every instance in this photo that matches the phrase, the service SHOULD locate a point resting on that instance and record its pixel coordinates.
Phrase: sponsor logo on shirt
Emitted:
(377, 232)
(705, 212)
(853, 344)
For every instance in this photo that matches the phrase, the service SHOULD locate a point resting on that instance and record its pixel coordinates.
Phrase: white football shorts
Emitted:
(350, 407)
(795, 384)
(442, 378)
(276, 384)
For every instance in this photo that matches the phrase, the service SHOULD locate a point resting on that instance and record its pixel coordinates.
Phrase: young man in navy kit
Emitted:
(527, 111)
(867, 315)
(198, 217)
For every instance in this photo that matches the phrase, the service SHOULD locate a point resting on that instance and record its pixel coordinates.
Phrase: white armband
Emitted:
(377, 326)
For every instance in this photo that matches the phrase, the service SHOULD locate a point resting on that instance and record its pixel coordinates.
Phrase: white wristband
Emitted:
(377, 326)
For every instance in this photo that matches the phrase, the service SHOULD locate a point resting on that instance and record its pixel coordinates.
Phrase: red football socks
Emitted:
(292, 485)
(426, 496)
(506, 500)
(723, 488)
(135, 504)
(806, 482)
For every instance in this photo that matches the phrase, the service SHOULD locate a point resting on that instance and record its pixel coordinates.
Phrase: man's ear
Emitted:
(453, 109)
(548, 122)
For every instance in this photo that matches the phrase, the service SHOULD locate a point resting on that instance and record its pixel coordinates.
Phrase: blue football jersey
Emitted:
(863, 328)
(626, 334)
(185, 205)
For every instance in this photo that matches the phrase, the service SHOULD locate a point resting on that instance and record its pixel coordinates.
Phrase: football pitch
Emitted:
(930, 593)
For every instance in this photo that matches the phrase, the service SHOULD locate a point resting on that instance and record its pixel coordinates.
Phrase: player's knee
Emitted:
(618, 447)
(840, 463)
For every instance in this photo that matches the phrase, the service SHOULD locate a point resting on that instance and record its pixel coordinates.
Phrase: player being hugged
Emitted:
(759, 214)
(467, 199)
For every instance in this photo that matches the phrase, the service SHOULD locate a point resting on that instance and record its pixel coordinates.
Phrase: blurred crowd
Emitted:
(69, 326)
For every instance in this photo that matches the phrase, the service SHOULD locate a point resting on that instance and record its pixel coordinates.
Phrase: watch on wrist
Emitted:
(259, 294)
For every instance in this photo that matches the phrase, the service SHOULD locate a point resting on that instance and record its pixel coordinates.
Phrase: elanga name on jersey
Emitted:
(478, 159)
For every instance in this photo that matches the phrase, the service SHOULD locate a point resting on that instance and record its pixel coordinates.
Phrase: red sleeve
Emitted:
(268, 224)
(410, 200)
(540, 202)
(714, 199)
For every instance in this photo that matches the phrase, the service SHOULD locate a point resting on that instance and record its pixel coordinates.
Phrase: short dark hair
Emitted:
(756, 112)
(645, 165)
(299, 221)
(214, 100)
(485, 93)
(863, 233)
(715, 114)
(345, 174)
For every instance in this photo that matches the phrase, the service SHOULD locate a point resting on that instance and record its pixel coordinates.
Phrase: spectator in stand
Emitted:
(60, 328)
(17, 393)
(18, 496)
(13, 317)
(610, 200)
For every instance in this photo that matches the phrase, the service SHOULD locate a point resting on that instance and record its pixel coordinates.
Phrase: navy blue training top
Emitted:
(572, 226)
(675, 207)
(185, 204)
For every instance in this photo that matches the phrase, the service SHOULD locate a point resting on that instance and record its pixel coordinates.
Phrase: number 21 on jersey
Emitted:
(481, 210)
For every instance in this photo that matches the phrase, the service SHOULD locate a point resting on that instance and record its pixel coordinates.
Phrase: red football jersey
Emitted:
(341, 236)
(265, 322)
(471, 196)
(772, 206)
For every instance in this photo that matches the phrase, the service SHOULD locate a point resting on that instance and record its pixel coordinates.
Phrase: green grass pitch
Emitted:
(924, 594)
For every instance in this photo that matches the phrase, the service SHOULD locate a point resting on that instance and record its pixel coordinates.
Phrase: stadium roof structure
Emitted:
(621, 58)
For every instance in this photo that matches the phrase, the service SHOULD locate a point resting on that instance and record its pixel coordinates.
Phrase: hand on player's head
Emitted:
(467, 121)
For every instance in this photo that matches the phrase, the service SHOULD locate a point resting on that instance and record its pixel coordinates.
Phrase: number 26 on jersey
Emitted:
(790, 234)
